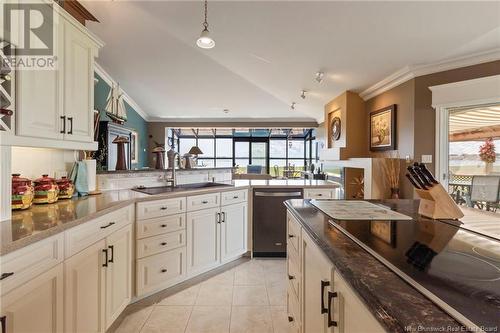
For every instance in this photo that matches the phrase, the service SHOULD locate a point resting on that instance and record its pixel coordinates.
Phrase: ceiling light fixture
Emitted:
(303, 94)
(319, 76)
(205, 41)
(292, 107)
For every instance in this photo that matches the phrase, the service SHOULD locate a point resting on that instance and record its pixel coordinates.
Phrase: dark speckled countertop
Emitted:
(41, 221)
(397, 305)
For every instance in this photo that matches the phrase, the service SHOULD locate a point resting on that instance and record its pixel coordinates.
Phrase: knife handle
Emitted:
(415, 176)
(429, 174)
(412, 181)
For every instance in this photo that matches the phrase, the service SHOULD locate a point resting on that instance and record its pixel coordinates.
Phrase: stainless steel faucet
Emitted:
(173, 179)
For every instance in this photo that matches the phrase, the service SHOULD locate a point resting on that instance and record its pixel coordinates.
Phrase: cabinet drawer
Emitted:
(232, 197)
(161, 243)
(204, 201)
(29, 262)
(158, 208)
(294, 276)
(319, 193)
(86, 234)
(293, 235)
(161, 270)
(160, 225)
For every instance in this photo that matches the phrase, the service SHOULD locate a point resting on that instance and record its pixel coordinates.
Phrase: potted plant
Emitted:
(488, 155)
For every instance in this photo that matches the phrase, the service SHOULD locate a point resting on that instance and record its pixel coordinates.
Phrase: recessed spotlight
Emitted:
(292, 107)
(319, 76)
(303, 94)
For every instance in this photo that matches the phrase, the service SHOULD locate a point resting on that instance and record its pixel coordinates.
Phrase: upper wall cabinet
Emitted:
(55, 107)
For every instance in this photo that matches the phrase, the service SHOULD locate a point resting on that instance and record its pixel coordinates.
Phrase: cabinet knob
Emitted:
(290, 318)
(291, 236)
(291, 277)
(163, 225)
(164, 270)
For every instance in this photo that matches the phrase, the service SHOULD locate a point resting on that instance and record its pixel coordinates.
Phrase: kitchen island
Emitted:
(379, 296)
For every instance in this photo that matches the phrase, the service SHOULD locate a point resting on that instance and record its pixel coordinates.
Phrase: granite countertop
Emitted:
(394, 303)
(41, 221)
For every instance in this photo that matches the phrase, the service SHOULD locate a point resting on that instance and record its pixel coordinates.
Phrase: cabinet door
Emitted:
(233, 231)
(85, 290)
(317, 280)
(36, 306)
(39, 98)
(118, 273)
(203, 244)
(79, 54)
(350, 312)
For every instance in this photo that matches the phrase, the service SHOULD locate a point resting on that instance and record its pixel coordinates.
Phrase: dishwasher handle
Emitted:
(279, 194)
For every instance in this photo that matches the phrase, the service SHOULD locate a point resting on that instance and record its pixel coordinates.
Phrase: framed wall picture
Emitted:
(383, 129)
(134, 147)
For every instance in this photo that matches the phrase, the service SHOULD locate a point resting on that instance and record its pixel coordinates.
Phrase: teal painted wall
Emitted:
(134, 120)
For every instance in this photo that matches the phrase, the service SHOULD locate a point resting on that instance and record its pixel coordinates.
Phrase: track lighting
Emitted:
(303, 94)
(292, 107)
(319, 76)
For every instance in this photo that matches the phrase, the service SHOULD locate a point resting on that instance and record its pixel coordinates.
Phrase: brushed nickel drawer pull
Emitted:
(290, 319)
(235, 197)
(204, 202)
(6, 275)
(291, 236)
(163, 225)
(163, 243)
(291, 277)
(164, 270)
(163, 208)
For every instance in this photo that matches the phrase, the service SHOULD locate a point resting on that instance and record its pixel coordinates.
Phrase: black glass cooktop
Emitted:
(458, 269)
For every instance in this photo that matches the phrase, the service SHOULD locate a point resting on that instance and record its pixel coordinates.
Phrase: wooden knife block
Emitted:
(436, 203)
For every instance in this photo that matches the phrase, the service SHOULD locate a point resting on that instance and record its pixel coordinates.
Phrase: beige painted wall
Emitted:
(416, 116)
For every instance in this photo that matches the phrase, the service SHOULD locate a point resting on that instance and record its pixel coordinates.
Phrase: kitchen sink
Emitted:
(183, 187)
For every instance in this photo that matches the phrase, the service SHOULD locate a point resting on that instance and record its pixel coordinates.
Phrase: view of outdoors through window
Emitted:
(273, 151)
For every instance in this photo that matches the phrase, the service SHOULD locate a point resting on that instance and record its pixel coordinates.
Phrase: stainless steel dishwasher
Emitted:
(269, 220)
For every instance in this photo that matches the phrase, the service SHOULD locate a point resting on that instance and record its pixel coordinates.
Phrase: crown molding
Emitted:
(126, 97)
(237, 122)
(409, 72)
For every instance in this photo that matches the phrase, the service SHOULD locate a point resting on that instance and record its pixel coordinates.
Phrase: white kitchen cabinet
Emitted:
(79, 54)
(98, 283)
(39, 110)
(233, 231)
(317, 274)
(58, 104)
(85, 283)
(36, 306)
(161, 270)
(118, 273)
(203, 250)
(354, 316)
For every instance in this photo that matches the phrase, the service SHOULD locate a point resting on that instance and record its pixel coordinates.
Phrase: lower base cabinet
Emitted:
(328, 304)
(36, 306)
(233, 231)
(98, 283)
(161, 270)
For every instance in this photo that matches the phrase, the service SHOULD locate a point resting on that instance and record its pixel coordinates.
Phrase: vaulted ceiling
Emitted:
(267, 51)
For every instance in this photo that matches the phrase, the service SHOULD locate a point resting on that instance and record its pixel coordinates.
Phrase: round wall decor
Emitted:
(335, 128)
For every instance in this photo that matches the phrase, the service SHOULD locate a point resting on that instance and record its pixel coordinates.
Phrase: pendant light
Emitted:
(205, 41)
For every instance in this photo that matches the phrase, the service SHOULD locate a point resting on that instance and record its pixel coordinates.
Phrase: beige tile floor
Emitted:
(248, 298)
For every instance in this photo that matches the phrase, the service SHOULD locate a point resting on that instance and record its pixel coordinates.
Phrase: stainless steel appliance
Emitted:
(269, 220)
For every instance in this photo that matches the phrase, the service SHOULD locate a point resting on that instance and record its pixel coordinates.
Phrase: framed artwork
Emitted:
(134, 147)
(335, 129)
(383, 129)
